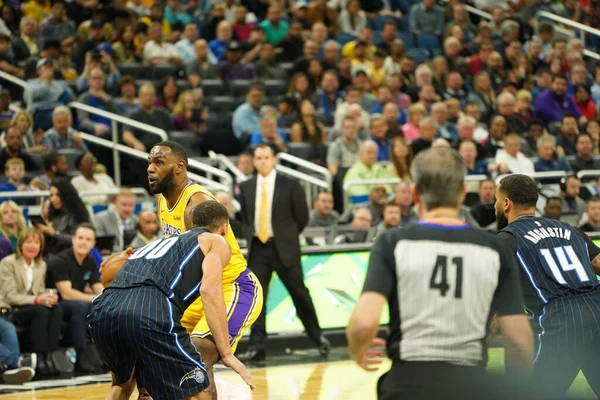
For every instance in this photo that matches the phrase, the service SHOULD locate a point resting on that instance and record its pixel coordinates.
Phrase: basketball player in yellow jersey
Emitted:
(176, 197)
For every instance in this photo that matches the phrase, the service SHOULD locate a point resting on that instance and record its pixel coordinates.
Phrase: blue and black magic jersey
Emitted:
(555, 259)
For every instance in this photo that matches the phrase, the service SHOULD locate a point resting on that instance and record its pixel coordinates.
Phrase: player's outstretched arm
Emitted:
(362, 330)
(216, 255)
(518, 343)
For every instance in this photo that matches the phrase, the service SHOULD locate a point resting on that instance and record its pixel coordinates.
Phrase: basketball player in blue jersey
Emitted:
(559, 264)
(136, 320)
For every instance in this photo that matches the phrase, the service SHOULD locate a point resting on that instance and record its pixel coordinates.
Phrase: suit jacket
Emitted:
(289, 216)
(13, 280)
(107, 224)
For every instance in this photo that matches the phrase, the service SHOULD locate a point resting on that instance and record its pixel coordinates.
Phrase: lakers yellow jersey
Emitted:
(172, 223)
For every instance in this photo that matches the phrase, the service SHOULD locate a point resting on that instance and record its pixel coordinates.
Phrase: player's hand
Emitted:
(370, 359)
(232, 362)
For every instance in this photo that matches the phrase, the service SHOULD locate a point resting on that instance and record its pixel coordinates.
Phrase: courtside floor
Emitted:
(331, 380)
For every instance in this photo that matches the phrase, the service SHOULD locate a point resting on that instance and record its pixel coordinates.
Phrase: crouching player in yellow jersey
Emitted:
(177, 196)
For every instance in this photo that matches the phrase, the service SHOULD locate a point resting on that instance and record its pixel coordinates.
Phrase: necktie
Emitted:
(263, 215)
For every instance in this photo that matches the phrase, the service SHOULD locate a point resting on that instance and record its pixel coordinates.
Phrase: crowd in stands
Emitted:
(357, 86)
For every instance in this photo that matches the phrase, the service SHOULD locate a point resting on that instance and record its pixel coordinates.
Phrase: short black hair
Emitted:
(553, 198)
(592, 199)
(559, 75)
(583, 134)
(545, 27)
(85, 225)
(535, 122)
(209, 215)
(521, 189)
(567, 115)
(264, 145)
(50, 160)
(177, 149)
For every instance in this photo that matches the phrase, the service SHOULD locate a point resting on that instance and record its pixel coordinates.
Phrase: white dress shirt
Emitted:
(517, 165)
(270, 179)
(28, 275)
(153, 50)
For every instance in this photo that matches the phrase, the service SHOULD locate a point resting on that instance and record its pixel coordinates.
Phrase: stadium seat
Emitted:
(407, 38)
(303, 150)
(240, 87)
(220, 104)
(189, 140)
(160, 71)
(183, 84)
(213, 87)
(275, 87)
(219, 121)
(380, 21)
(136, 70)
(428, 42)
(419, 55)
(38, 158)
(343, 38)
(71, 155)
(404, 24)
(221, 142)
(287, 67)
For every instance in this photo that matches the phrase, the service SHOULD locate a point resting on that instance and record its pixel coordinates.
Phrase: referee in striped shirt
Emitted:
(442, 280)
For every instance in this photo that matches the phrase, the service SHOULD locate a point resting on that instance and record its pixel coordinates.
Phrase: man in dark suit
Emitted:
(275, 212)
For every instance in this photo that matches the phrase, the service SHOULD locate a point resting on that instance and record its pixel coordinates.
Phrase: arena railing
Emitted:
(583, 29)
(310, 166)
(392, 181)
(539, 175)
(226, 164)
(226, 184)
(19, 82)
(83, 195)
(584, 173)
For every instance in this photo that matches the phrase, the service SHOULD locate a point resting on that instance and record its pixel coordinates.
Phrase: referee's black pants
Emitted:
(263, 260)
(44, 325)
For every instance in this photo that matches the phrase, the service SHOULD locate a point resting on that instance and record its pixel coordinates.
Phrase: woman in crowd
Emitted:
(12, 222)
(483, 95)
(90, 181)
(400, 158)
(23, 277)
(167, 93)
(124, 45)
(352, 19)
(307, 129)
(128, 100)
(583, 99)
(188, 114)
(65, 213)
(55, 164)
(411, 129)
(299, 87)
(24, 123)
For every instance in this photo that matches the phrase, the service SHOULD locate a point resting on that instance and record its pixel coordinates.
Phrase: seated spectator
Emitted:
(12, 223)
(411, 128)
(365, 168)
(307, 129)
(216, 15)
(95, 36)
(569, 130)
(185, 46)
(128, 100)
(592, 209)
(428, 132)
(235, 219)
(535, 130)
(323, 214)
(583, 100)
(246, 118)
(299, 87)
(549, 159)
(266, 66)
(377, 200)
(47, 94)
(23, 277)
(241, 25)
(99, 58)
(65, 212)
(117, 220)
(569, 193)
(98, 98)
(168, 92)
(453, 113)
(320, 11)
(147, 113)
(484, 212)
(553, 103)
(401, 157)
(352, 19)
(276, 28)
(218, 46)
(353, 96)
(343, 152)
(202, 67)
(466, 131)
(64, 65)
(360, 224)
(553, 208)
(8, 62)
(468, 151)
(24, 124)
(15, 172)
(523, 106)
(232, 68)
(14, 149)
(391, 218)
(454, 88)
(156, 51)
(75, 275)
(483, 95)
(495, 140)
(291, 47)
(269, 133)
(62, 136)
(25, 45)
(251, 49)
(58, 27)
(92, 181)
(55, 165)
(188, 114)
(543, 81)
(426, 17)
(439, 113)
(126, 46)
(584, 158)
(288, 112)
(378, 134)
(327, 98)
(147, 229)
(513, 158)
(507, 103)
(331, 55)
(403, 197)
(481, 131)
(394, 119)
